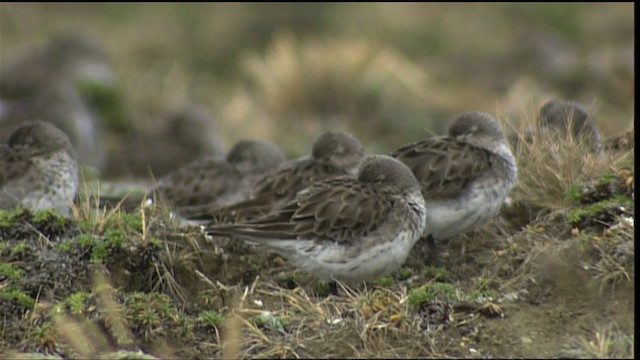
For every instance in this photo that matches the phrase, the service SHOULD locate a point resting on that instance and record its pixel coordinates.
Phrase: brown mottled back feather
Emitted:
(333, 154)
(444, 167)
(214, 176)
(338, 209)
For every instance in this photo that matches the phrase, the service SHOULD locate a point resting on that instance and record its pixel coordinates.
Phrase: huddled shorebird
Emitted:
(465, 176)
(219, 180)
(562, 120)
(39, 169)
(333, 154)
(347, 228)
(568, 118)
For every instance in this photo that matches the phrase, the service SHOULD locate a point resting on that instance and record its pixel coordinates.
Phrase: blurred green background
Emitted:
(390, 73)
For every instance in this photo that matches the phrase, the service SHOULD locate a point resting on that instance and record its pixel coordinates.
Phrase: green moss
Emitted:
(11, 272)
(19, 249)
(126, 222)
(580, 215)
(9, 217)
(146, 313)
(574, 194)
(99, 252)
(321, 288)
(435, 273)
(430, 292)
(86, 225)
(115, 238)
(132, 222)
(575, 216)
(155, 242)
(51, 223)
(483, 290)
(149, 317)
(85, 241)
(401, 274)
(384, 281)
(608, 179)
(76, 302)
(48, 216)
(210, 318)
(404, 273)
(65, 246)
(42, 335)
(18, 296)
(100, 247)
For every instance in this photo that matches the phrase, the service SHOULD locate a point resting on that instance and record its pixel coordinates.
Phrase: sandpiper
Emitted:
(220, 180)
(333, 154)
(465, 176)
(350, 228)
(39, 169)
(568, 118)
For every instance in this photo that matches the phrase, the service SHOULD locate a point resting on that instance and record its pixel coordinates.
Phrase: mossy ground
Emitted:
(134, 281)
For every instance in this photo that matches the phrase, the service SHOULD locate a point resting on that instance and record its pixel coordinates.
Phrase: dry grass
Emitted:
(606, 343)
(615, 254)
(550, 164)
(278, 323)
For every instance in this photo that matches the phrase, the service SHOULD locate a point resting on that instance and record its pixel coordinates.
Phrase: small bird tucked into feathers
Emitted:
(220, 180)
(564, 121)
(568, 118)
(333, 154)
(39, 169)
(465, 177)
(348, 228)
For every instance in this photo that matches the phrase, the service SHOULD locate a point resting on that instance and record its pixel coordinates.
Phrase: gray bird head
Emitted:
(388, 172)
(40, 138)
(340, 149)
(194, 127)
(562, 115)
(569, 118)
(476, 127)
(254, 156)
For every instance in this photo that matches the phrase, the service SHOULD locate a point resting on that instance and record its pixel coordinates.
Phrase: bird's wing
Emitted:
(278, 187)
(444, 167)
(337, 209)
(200, 182)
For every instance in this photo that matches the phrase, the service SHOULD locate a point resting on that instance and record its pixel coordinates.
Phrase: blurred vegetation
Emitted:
(389, 73)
